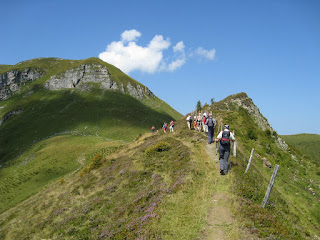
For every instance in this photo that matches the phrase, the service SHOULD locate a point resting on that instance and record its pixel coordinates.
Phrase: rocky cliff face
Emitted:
(84, 75)
(79, 78)
(82, 78)
(12, 81)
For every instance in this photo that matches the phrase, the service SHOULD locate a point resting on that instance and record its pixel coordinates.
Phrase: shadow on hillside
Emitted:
(108, 114)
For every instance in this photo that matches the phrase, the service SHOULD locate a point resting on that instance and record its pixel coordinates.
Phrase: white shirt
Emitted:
(231, 135)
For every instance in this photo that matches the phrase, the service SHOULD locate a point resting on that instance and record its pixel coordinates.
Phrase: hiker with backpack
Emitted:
(210, 123)
(225, 137)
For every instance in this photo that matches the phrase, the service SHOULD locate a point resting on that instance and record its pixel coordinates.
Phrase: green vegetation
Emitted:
(288, 214)
(129, 195)
(45, 132)
(306, 144)
(46, 161)
(81, 165)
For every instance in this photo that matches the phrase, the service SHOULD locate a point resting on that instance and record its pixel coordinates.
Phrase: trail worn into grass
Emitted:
(221, 223)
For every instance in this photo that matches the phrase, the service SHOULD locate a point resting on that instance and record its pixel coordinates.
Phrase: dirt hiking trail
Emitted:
(221, 223)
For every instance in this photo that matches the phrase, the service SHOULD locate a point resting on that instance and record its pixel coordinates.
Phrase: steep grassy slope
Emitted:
(36, 115)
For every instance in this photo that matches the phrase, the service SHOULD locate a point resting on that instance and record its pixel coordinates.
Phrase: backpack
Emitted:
(210, 122)
(225, 140)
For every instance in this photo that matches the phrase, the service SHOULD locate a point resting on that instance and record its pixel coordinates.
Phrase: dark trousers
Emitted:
(210, 134)
(224, 152)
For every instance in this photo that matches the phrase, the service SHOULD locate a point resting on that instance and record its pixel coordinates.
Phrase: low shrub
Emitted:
(252, 135)
(95, 163)
(158, 147)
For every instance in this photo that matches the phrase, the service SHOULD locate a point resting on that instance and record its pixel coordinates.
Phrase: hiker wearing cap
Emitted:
(224, 138)
(210, 123)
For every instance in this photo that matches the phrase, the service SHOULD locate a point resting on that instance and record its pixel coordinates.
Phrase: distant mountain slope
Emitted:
(307, 144)
(87, 99)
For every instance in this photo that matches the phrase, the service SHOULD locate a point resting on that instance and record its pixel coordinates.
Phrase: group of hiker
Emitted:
(207, 123)
(225, 137)
(165, 127)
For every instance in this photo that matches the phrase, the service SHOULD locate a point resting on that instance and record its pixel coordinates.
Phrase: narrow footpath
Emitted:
(221, 223)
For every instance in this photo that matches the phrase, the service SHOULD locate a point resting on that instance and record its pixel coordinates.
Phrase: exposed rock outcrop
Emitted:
(12, 81)
(82, 76)
(242, 100)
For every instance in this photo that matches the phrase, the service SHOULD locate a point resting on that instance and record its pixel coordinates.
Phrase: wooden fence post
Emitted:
(273, 177)
(252, 151)
(234, 146)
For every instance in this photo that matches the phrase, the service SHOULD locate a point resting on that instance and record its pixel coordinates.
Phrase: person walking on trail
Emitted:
(153, 128)
(195, 125)
(224, 137)
(199, 122)
(189, 121)
(164, 127)
(211, 124)
(171, 125)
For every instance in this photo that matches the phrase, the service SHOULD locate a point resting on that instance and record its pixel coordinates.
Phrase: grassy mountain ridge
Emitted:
(75, 166)
(160, 187)
(70, 117)
(36, 106)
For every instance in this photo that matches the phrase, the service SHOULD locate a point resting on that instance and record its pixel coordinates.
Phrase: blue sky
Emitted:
(189, 50)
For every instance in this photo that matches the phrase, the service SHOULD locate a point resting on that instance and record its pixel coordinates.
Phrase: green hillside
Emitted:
(46, 132)
(306, 144)
(161, 186)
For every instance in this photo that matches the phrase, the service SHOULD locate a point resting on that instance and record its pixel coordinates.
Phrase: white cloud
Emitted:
(127, 55)
(176, 64)
(179, 47)
(209, 54)
(130, 35)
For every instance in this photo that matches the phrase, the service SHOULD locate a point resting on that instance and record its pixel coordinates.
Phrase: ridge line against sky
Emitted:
(185, 52)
